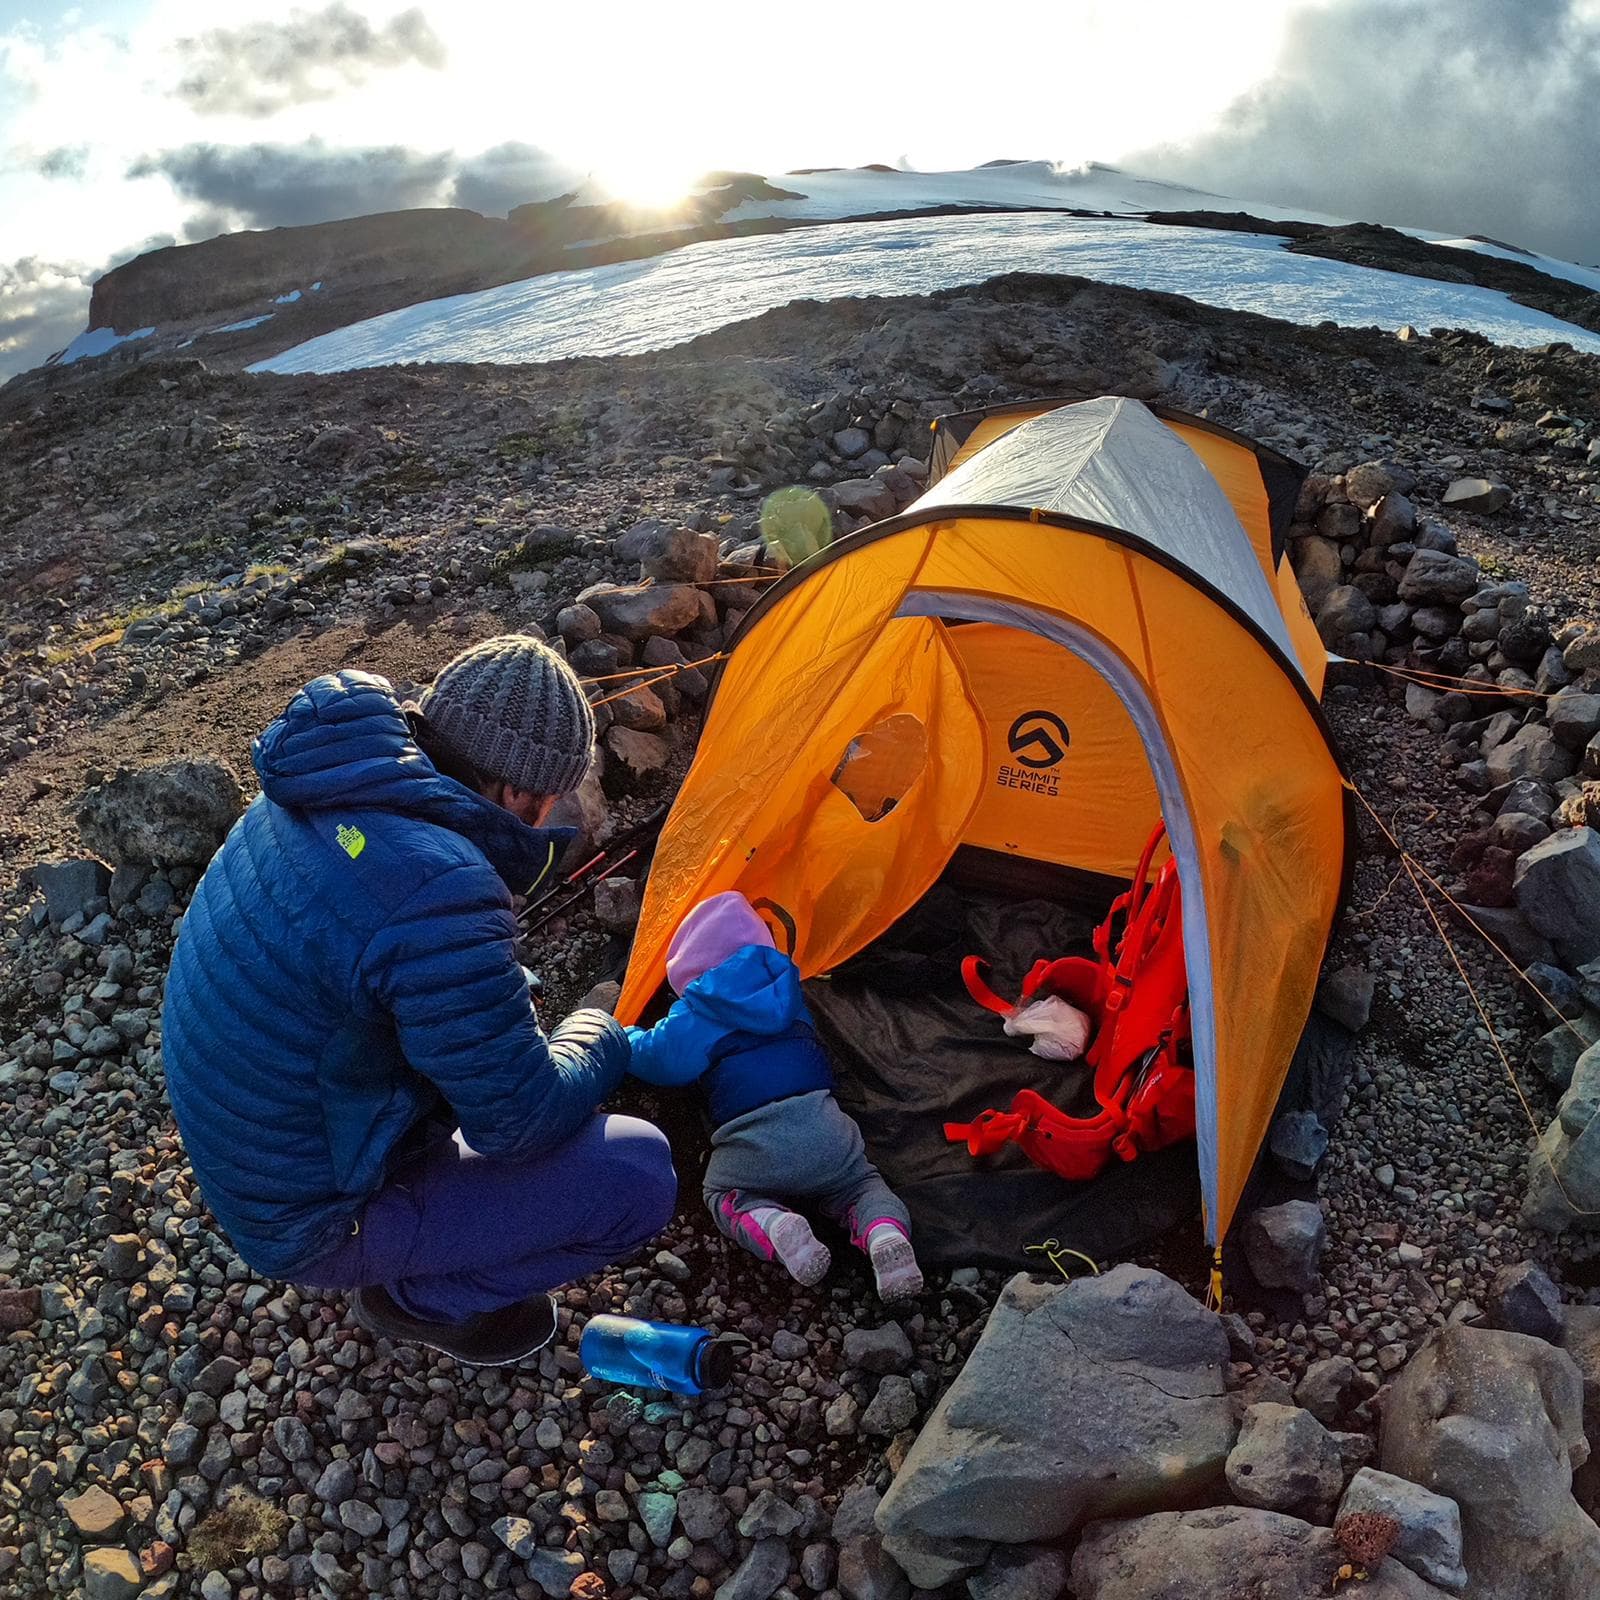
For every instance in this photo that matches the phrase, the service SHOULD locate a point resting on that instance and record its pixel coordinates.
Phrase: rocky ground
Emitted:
(180, 549)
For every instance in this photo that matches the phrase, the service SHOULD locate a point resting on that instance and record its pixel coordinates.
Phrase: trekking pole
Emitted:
(575, 880)
(577, 894)
(561, 888)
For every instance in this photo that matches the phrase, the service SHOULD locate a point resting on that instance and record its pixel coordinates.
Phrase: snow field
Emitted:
(651, 304)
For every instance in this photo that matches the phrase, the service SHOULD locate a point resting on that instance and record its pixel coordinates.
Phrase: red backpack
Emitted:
(1138, 1004)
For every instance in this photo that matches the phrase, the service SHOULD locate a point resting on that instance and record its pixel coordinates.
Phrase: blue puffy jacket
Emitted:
(348, 958)
(742, 1030)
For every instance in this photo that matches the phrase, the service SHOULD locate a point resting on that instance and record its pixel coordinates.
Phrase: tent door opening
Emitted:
(911, 1050)
(1032, 741)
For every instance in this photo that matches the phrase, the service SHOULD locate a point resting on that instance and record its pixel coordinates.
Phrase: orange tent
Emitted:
(1087, 623)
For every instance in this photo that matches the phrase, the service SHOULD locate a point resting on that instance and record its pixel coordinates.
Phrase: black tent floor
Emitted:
(912, 1051)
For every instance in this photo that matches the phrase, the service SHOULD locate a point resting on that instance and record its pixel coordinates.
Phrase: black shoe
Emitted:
(494, 1339)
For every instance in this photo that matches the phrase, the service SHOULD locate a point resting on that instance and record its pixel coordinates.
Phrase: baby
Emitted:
(740, 1027)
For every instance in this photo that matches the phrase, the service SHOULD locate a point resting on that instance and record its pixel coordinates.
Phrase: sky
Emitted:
(125, 124)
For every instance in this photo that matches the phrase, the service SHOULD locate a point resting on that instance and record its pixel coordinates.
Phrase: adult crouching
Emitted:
(350, 1043)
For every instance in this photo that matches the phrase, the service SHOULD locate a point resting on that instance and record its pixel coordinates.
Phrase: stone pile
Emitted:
(1093, 1415)
(1102, 1397)
(846, 435)
(1522, 726)
(863, 450)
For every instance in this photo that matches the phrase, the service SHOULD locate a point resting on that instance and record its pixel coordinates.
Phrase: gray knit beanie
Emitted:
(515, 710)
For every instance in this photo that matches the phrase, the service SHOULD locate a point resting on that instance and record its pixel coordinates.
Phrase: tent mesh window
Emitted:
(879, 766)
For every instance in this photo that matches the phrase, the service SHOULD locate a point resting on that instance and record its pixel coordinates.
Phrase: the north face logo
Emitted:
(351, 840)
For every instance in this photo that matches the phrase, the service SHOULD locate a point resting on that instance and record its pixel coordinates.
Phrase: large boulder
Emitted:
(1581, 651)
(1104, 1396)
(1021, 1572)
(1317, 569)
(642, 540)
(669, 554)
(172, 815)
(1345, 611)
(1483, 495)
(635, 611)
(1298, 1143)
(1522, 1299)
(1558, 891)
(1328, 1388)
(1574, 717)
(1564, 1167)
(1346, 996)
(1394, 518)
(1287, 1461)
(640, 708)
(616, 904)
(70, 887)
(864, 497)
(1433, 578)
(1531, 752)
(635, 762)
(866, 1573)
(1494, 1421)
(1555, 1054)
(1225, 1553)
(684, 557)
(1507, 928)
(1284, 1244)
(1365, 485)
(1339, 521)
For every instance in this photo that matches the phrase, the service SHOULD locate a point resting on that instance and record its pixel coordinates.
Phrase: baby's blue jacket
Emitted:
(742, 1031)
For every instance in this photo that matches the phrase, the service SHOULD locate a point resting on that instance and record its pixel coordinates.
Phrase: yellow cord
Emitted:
(1053, 1250)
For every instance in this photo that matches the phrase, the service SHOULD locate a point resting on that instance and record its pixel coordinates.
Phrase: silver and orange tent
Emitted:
(1087, 623)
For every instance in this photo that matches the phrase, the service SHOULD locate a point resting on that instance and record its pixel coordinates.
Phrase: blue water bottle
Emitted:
(658, 1355)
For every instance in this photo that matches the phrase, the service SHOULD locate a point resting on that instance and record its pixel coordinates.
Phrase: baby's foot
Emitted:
(894, 1263)
(804, 1255)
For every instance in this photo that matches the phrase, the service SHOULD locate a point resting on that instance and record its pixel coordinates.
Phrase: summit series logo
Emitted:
(1038, 742)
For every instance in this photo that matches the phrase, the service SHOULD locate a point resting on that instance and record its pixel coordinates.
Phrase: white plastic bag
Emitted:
(1060, 1032)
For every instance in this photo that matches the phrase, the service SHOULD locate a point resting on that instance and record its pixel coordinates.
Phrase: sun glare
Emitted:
(653, 183)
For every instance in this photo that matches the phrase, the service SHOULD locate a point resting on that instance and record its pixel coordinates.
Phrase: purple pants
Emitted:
(454, 1234)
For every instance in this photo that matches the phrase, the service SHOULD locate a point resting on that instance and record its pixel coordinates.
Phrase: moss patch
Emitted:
(534, 552)
(411, 476)
(560, 432)
(244, 1525)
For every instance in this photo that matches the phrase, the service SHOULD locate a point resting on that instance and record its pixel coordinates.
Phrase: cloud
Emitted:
(265, 67)
(1475, 117)
(152, 241)
(511, 175)
(274, 185)
(44, 305)
(65, 161)
(207, 223)
(22, 63)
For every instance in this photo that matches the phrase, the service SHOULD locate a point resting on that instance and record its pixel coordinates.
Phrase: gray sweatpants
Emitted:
(798, 1149)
